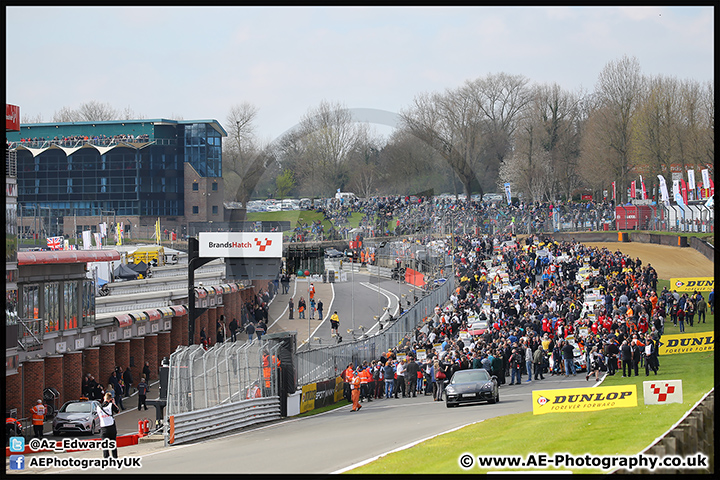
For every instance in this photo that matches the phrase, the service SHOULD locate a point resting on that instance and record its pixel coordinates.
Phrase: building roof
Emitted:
(67, 256)
(113, 127)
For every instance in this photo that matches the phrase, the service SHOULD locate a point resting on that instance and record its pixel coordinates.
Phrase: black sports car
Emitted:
(473, 385)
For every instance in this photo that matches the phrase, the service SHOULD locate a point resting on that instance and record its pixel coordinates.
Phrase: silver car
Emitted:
(77, 416)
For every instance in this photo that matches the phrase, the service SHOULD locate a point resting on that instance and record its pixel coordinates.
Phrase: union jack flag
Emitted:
(55, 243)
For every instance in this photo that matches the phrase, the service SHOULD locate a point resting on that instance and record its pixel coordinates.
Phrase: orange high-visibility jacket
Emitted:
(38, 414)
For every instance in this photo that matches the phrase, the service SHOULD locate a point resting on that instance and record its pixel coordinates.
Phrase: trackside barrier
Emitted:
(327, 362)
(376, 271)
(221, 419)
(224, 388)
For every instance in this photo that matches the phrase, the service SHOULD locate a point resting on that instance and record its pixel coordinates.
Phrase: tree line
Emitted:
(546, 141)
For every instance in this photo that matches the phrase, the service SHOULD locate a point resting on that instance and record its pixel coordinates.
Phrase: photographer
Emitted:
(106, 412)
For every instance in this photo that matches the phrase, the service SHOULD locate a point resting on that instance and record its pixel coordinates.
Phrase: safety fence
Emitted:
(225, 373)
(221, 389)
(323, 363)
(689, 219)
(220, 419)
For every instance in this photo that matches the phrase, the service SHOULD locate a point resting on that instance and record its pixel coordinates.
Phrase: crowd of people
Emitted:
(75, 140)
(533, 297)
(120, 385)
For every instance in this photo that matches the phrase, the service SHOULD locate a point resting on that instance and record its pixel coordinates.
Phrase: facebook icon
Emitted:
(17, 462)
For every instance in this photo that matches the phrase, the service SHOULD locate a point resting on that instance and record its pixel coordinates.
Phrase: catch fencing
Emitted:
(220, 389)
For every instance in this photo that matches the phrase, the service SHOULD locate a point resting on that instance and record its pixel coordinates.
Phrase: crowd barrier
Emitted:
(694, 433)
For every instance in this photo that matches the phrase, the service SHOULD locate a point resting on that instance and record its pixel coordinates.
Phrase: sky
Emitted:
(197, 62)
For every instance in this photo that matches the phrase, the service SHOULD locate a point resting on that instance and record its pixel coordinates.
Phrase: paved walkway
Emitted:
(279, 315)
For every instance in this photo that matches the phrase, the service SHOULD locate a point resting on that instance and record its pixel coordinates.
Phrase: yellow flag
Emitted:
(157, 231)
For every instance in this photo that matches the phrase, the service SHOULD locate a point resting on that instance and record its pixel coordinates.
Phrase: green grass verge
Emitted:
(620, 431)
(300, 217)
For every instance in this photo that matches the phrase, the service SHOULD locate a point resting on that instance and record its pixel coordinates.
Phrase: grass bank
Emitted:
(620, 431)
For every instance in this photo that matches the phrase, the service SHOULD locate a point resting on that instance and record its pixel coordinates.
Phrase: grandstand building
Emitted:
(73, 176)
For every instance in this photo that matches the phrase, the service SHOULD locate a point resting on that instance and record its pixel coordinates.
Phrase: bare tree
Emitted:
(243, 161)
(366, 173)
(326, 136)
(618, 93)
(560, 116)
(94, 111)
(472, 126)
(38, 118)
(656, 128)
(595, 166)
(528, 170)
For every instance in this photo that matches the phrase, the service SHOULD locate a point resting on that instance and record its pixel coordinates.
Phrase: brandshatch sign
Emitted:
(240, 245)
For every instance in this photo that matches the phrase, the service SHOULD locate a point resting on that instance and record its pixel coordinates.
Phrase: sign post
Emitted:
(248, 256)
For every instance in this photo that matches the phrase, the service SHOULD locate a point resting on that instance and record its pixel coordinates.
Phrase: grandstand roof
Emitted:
(107, 128)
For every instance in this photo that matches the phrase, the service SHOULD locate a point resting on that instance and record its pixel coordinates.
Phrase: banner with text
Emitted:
(687, 343)
(691, 284)
(583, 399)
(240, 245)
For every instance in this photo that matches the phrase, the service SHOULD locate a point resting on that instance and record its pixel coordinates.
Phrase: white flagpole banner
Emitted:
(508, 194)
(664, 197)
(691, 179)
(87, 239)
(706, 177)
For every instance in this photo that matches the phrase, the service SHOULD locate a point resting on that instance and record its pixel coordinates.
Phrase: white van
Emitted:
(347, 196)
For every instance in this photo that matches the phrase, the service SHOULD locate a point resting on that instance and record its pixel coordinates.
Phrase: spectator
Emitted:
(701, 309)
(568, 352)
(142, 393)
(233, 330)
(127, 381)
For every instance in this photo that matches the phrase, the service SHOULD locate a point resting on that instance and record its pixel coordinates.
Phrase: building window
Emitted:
(70, 305)
(52, 306)
(195, 187)
(88, 303)
(196, 210)
(214, 210)
(214, 187)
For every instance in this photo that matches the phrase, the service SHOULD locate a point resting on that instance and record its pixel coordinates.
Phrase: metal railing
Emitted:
(324, 363)
(225, 373)
(224, 388)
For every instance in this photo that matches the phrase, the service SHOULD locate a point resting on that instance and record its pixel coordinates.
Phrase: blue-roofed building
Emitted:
(73, 176)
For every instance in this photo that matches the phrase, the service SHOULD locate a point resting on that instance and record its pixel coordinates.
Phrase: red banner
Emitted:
(12, 118)
(683, 190)
(414, 277)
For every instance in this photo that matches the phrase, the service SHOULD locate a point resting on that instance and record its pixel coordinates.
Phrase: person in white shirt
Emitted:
(400, 384)
(106, 412)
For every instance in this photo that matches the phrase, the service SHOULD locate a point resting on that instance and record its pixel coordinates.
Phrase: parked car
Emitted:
(77, 416)
(472, 385)
(478, 327)
(333, 253)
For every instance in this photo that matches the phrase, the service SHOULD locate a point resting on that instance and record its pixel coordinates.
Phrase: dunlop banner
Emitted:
(339, 388)
(583, 399)
(307, 401)
(701, 284)
(687, 343)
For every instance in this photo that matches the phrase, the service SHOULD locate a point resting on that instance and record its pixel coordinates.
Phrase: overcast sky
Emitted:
(196, 62)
